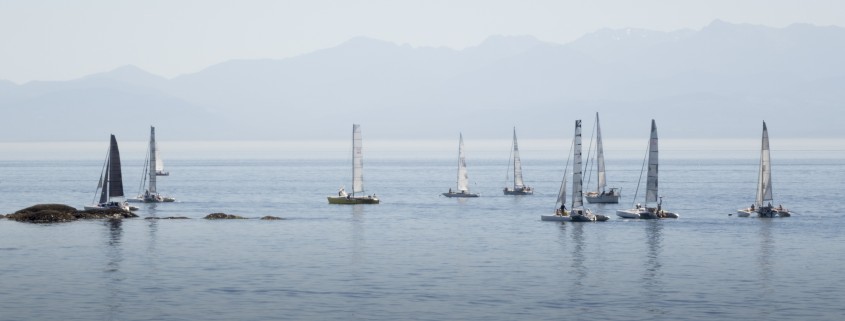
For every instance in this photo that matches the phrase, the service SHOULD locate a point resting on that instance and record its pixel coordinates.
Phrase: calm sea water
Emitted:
(419, 256)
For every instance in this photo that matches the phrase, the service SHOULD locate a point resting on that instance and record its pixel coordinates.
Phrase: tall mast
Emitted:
(463, 177)
(599, 158)
(651, 178)
(153, 159)
(764, 187)
(517, 164)
(357, 161)
(577, 179)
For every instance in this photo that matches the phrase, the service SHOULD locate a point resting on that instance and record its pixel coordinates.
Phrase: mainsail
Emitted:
(463, 177)
(112, 181)
(517, 164)
(764, 182)
(651, 178)
(577, 180)
(602, 183)
(154, 161)
(357, 161)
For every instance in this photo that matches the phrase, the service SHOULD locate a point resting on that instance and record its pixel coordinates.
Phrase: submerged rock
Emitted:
(167, 218)
(271, 218)
(223, 216)
(108, 213)
(53, 213)
(44, 213)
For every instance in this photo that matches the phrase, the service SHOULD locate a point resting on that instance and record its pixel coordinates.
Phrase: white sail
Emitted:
(151, 186)
(577, 179)
(159, 164)
(602, 183)
(561, 195)
(764, 182)
(357, 161)
(651, 178)
(463, 178)
(517, 164)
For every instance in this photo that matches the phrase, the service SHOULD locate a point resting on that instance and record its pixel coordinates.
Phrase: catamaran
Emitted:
(519, 187)
(463, 178)
(357, 176)
(656, 210)
(153, 167)
(577, 212)
(561, 214)
(110, 185)
(602, 194)
(763, 202)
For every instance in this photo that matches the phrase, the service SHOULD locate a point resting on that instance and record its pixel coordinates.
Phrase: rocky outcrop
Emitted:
(271, 218)
(223, 216)
(54, 213)
(167, 218)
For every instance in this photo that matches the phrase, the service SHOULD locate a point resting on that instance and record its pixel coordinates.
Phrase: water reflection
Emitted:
(579, 272)
(652, 277)
(114, 258)
(357, 234)
(765, 255)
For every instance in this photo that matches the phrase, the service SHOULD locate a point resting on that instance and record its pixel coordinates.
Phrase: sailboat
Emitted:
(110, 185)
(656, 210)
(601, 195)
(357, 176)
(764, 186)
(519, 187)
(153, 167)
(577, 212)
(463, 178)
(561, 214)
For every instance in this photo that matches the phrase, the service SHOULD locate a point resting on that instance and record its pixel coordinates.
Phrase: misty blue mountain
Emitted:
(733, 75)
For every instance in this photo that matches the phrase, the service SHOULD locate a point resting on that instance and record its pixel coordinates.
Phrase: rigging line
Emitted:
(636, 192)
(588, 165)
(507, 171)
(102, 171)
(565, 172)
(144, 172)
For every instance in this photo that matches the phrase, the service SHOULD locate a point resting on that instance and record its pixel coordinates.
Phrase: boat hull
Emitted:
(107, 207)
(508, 191)
(763, 212)
(461, 195)
(353, 200)
(555, 218)
(643, 213)
(593, 197)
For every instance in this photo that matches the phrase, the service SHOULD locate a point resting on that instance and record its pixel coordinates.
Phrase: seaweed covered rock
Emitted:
(42, 216)
(167, 218)
(271, 218)
(105, 213)
(53, 213)
(223, 216)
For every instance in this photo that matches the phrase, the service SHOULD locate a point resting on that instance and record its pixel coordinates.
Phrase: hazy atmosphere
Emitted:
(276, 70)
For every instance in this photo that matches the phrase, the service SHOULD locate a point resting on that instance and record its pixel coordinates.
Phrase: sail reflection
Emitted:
(114, 257)
(578, 270)
(653, 274)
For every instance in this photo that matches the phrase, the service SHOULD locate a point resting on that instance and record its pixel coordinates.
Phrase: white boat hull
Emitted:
(555, 218)
(460, 194)
(764, 212)
(594, 197)
(522, 191)
(349, 200)
(108, 206)
(643, 213)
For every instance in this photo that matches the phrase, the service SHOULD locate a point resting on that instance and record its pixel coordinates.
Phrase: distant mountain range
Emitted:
(717, 82)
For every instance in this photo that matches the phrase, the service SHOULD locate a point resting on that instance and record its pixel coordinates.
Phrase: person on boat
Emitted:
(450, 190)
(638, 206)
(752, 207)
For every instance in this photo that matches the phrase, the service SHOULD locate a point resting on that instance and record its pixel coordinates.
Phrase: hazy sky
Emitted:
(60, 40)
